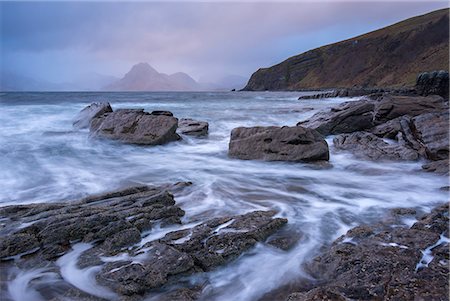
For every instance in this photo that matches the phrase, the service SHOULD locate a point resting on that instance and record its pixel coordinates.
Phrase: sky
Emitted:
(60, 41)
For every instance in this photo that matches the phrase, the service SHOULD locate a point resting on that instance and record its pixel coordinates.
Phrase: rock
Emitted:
(345, 118)
(432, 130)
(135, 126)
(386, 264)
(94, 110)
(435, 82)
(163, 113)
(192, 127)
(112, 225)
(367, 145)
(196, 249)
(278, 144)
(367, 113)
(110, 218)
(440, 167)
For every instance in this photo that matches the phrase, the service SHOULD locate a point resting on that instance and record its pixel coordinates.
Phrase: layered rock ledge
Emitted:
(122, 236)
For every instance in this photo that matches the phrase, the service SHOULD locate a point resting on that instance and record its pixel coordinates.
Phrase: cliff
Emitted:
(389, 57)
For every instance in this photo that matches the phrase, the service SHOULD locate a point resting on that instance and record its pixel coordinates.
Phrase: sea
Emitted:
(44, 159)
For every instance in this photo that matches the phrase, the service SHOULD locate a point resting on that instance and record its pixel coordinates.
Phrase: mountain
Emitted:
(389, 57)
(143, 77)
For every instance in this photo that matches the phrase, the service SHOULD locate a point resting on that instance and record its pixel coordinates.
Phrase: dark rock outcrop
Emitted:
(368, 113)
(94, 110)
(385, 263)
(356, 92)
(367, 145)
(388, 57)
(278, 144)
(196, 249)
(136, 126)
(432, 130)
(192, 127)
(433, 83)
(116, 225)
(115, 218)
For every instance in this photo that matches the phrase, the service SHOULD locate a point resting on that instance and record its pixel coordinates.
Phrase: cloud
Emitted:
(201, 38)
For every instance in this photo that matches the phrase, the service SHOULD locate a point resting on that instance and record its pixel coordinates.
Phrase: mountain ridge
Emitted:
(143, 77)
(388, 57)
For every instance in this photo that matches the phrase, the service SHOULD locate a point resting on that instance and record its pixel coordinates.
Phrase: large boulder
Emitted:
(367, 145)
(94, 110)
(278, 144)
(136, 126)
(435, 82)
(383, 262)
(192, 127)
(367, 113)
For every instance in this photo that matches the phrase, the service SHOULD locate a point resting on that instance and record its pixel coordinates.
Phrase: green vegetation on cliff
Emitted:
(389, 57)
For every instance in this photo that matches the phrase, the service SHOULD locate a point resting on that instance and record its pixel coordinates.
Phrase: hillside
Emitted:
(388, 57)
(143, 77)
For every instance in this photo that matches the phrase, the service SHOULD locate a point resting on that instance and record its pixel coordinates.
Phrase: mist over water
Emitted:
(43, 159)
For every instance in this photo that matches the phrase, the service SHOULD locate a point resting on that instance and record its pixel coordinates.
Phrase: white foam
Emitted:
(83, 279)
(427, 255)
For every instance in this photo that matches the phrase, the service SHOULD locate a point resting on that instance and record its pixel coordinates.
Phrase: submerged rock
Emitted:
(94, 110)
(193, 127)
(295, 144)
(440, 167)
(385, 263)
(135, 126)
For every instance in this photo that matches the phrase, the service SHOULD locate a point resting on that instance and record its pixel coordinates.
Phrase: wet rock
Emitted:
(432, 130)
(192, 127)
(435, 82)
(367, 145)
(94, 110)
(113, 218)
(386, 264)
(278, 144)
(345, 118)
(186, 251)
(131, 277)
(136, 127)
(367, 113)
(182, 294)
(440, 167)
(318, 294)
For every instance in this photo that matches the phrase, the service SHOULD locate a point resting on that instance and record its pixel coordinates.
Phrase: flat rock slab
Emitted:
(136, 127)
(193, 127)
(296, 144)
(94, 110)
(387, 263)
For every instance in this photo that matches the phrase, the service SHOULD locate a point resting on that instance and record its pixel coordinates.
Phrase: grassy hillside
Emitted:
(388, 57)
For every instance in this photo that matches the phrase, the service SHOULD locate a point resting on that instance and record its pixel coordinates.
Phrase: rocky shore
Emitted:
(133, 243)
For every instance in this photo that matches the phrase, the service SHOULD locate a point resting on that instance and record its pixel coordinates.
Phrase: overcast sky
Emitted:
(60, 41)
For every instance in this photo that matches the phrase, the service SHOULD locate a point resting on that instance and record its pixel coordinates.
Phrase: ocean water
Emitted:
(43, 159)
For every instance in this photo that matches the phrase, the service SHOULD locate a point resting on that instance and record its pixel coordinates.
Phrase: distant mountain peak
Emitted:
(143, 77)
